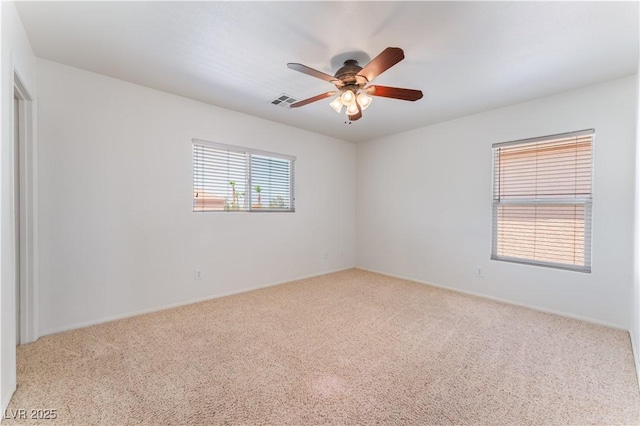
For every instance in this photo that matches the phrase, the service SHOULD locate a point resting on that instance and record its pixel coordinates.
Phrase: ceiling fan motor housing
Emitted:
(347, 74)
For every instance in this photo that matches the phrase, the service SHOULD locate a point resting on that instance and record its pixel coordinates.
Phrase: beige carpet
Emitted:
(347, 348)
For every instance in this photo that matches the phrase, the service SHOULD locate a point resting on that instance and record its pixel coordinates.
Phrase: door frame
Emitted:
(27, 186)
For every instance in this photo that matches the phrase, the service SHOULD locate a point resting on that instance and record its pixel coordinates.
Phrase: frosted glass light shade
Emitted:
(347, 97)
(336, 104)
(352, 109)
(364, 101)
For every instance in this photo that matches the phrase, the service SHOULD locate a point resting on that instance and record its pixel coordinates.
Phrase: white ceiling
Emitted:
(466, 57)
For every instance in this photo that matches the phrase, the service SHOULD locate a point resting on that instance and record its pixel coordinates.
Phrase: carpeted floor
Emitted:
(347, 348)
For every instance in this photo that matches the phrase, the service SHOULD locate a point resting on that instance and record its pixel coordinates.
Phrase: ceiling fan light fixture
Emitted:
(352, 109)
(364, 100)
(347, 97)
(336, 104)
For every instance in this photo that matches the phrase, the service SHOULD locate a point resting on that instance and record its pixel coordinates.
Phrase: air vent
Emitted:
(284, 100)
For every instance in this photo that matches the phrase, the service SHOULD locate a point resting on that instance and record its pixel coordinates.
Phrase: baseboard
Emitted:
(636, 356)
(178, 304)
(498, 299)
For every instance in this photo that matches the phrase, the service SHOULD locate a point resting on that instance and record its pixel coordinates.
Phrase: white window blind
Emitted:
(230, 178)
(542, 201)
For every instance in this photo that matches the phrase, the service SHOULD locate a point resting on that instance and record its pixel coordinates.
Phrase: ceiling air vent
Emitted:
(284, 100)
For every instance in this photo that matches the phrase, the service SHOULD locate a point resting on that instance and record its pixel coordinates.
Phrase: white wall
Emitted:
(16, 55)
(424, 204)
(635, 299)
(117, 231)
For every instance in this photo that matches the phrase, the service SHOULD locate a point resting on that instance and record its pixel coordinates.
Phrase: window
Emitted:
(542, 201)
(231, 178)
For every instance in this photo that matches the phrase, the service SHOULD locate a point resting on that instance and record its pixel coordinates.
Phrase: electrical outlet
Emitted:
(197, 275)
(326, 255)
(479, 272)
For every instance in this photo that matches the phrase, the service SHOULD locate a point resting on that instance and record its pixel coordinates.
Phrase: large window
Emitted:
(230, 178)
(542, 201)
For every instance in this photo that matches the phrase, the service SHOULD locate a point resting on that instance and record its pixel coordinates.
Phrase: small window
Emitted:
(542, 201)
(228, 178)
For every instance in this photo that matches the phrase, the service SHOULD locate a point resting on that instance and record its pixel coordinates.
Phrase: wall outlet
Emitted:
(479, 272)
(326, 255)
(197, 275)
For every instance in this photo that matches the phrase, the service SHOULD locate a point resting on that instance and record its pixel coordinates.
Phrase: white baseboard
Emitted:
(499, 299)
(636, 356)
(177, 304)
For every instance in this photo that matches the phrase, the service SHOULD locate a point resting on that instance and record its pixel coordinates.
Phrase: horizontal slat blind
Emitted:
(542, 201)
(219, 179)
(271, 183)
(227, 178)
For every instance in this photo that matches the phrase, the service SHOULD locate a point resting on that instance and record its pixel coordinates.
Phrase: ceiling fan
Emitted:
(351, 81)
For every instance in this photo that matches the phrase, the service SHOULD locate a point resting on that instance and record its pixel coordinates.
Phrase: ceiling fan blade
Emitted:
(310, 100)
(385, 60)
(394, 92)
(313, 73)
(357, 116)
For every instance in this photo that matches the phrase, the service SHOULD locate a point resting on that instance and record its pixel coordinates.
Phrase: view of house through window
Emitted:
(229, 178)
(542, 201)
